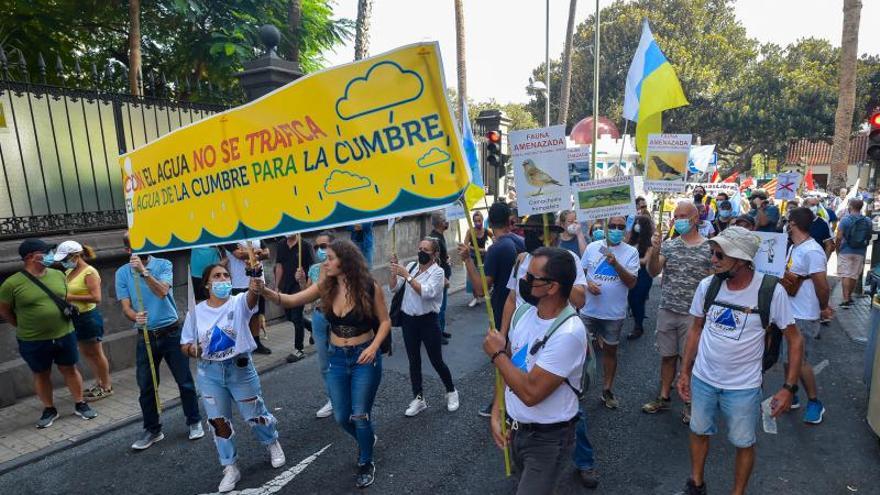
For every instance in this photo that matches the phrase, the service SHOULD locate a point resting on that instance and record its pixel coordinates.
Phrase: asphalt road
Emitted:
(442, 452)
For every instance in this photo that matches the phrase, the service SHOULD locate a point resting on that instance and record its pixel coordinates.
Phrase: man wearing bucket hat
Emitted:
(722, 370)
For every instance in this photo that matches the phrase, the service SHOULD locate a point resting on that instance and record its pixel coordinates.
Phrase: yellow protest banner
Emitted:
(359, 142)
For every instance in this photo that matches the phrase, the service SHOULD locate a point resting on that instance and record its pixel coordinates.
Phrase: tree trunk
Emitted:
(134, 47)
(294, 20)
(565, 91)
(846, 99)
(362, 29)
(461, 66)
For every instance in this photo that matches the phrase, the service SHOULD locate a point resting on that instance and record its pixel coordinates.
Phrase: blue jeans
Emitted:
(442, 316)
(583, 450)
(352, 389)
(167, 348)
(320, 329)
(638, 296)
(221, 384)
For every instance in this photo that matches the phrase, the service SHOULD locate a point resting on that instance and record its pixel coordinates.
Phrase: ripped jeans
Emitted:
(352, 388)
(223, 382)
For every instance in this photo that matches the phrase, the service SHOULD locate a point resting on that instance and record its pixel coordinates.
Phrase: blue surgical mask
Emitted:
(221, 289)
(598, 235)
(68, 265)
(320, 255)
(48, 259)
(725, 213)
(615, 236)
(682, 226)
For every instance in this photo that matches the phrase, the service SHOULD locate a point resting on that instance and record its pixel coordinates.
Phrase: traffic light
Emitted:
(874, 137)
(494, 156)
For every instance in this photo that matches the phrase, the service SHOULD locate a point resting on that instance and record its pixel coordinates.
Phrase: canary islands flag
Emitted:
(651, 88)
(475, 191)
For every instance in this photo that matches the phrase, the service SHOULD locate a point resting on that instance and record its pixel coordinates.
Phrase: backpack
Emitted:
(773, 337)
(394, 311)
(568, 312)
(859, 235)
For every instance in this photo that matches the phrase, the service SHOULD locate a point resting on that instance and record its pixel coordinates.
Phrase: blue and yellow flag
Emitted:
(651, 88)
(474, 191)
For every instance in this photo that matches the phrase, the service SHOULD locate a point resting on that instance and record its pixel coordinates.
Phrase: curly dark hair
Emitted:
(361, 286)
(642, 239)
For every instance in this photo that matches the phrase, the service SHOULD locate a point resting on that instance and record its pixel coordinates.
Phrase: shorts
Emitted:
(850, 265)
(261, 303)
(672, 331)
(89, 326)
(810, 330)
(607, 330)
(739, 409)
(40, 354)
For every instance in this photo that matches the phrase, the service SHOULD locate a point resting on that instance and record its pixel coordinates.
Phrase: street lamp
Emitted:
(538, 87)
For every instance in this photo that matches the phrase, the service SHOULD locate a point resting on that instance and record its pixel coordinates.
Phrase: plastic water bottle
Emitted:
(768, 421)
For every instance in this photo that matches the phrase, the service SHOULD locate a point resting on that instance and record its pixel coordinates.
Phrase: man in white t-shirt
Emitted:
(612, 268)
(807, 265)
(542, 374)
(724, 353)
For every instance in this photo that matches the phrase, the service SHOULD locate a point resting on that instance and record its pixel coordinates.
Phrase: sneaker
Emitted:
(690, 488)
(636, 333)
(96, 393)
(50, 414)
(231, 475)
(295, 356)
(657, 405)
(196, 431)
(846, 304)
(276, 454)
(473, 302)
(452, 401)
(444, 340)
(686, 413)
(814, 413)
(416, 406)
(795, 402)
(366, 475)
(588, 477)
(446, 334)
(147, 440)
(486, 412)
(83, 410)
(325, 411)
(261, 349)
(610, 401)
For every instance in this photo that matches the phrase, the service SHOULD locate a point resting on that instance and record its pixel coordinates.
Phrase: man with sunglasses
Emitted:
(612, 268)
(541, 370)
(722, 369)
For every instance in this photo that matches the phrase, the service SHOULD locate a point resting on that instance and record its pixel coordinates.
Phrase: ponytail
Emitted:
(88, 252)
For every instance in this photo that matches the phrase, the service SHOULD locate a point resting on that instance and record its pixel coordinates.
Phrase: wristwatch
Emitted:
(409, 279)
(791, 388)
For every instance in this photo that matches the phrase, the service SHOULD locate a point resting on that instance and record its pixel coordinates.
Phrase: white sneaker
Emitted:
(452, 401)
(276, 454)
(473, 302)
(231, 475)
(196, 431)
(325, 411)
(416, 406)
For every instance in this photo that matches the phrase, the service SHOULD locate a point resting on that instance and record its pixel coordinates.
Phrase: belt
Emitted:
(540, 427)
(164, 331)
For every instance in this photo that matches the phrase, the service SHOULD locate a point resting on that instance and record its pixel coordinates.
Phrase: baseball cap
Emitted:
(725, 205)
(32, 246)
(535, 222)
(745, 218)
(67, 248)
(738, 242)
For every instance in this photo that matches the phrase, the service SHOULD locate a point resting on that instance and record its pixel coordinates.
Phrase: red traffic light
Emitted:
(875, 120)
(493, 136)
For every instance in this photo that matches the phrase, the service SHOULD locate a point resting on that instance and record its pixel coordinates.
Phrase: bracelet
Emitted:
(497, 353)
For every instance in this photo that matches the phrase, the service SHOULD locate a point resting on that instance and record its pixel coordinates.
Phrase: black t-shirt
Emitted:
(443, 260)
(499, 262)
(288, 258)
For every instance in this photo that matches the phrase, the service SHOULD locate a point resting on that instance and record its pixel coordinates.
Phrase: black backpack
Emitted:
(859, 235)
(773, 337)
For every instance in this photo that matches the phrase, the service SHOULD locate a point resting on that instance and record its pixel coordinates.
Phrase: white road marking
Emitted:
(278, 482)
(819, 367)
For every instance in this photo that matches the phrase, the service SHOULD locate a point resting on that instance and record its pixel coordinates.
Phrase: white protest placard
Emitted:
(713, 188)
(771, 256)
(787, 185)
(666, 162)
(455, 211)
(540, 169)
(604, 198)
(579, 158)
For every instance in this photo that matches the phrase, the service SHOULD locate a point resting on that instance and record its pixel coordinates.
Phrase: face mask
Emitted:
(698, 198)
(682, 226)
(68, 265)
(573, 228)
(637, 228)
(598, 235)
(525, 292)
(615, 236)
(725, 214)
(320, 255)
(221, 289)
(533, 242)
(47, 260)
(478, 226)
(814, 209)
(424, 258)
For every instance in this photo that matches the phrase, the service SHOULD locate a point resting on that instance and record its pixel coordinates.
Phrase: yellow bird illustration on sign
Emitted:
(537, 177)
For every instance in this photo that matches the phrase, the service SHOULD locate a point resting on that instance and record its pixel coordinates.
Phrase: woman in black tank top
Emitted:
(354, 306)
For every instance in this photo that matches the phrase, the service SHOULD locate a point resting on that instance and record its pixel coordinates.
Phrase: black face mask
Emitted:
(424, 258)
(698, 198)
(532, 242)
(525, 292)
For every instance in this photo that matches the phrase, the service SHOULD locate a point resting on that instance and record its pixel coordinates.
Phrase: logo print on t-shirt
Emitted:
(219, 341)
(726, 322)
(519, 359)
(605, 272)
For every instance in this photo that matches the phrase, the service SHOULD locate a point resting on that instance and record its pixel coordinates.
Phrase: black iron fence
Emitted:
(60, 138)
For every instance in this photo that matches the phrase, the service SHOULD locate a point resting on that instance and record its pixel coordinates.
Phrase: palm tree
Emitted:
(134, 46)
(565, 92)
(461, 67)
(294, 21)
(846, 99)
(362, 29)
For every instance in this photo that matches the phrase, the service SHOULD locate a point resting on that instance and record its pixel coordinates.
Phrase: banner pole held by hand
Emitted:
(146, 335)
(546, 218)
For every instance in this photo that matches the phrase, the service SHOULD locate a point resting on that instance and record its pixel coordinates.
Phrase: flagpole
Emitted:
(547, 68)
(595, 91)
(622, 142)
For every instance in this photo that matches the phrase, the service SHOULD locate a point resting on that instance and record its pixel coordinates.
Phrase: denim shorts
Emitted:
(739, 409)
(607, 330)
(89, 326)
(40, 354)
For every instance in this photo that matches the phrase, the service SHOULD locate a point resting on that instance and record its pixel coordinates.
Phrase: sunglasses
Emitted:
(322, 246)
(531, 279)
(718, 254)
(616, 226)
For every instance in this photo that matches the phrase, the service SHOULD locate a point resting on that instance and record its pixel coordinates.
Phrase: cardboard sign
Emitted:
(605, 198)
(787, 185)
(540, 169)
(771, 256)
(666, 162)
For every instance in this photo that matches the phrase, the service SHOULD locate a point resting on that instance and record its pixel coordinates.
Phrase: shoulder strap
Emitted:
(765, 298)
(62, 305)
(518, 313)
(567, 313)
(711, 294)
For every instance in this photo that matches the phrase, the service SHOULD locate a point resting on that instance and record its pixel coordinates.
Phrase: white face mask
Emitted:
(637, 228)
(572, 228)
(814, 209)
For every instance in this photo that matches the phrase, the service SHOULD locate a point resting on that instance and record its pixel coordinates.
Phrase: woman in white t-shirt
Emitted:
(216, 332)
